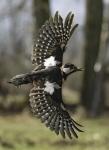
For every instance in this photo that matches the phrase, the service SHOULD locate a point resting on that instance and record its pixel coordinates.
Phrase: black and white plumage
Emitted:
(48, 76)
(52, 40)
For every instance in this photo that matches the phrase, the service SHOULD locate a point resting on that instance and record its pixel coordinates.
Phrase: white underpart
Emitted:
(50, 87)
(50, 62)
(66, 70)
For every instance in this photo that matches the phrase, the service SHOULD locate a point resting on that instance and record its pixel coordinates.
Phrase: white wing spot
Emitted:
(49, 87)
(50, 62)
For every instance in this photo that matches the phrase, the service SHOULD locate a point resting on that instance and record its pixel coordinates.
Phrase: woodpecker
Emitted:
(49, 75)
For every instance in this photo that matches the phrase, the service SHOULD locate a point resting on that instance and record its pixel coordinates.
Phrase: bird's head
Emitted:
(68, 68)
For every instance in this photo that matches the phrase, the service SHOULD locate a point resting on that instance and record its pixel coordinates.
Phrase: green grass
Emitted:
(26, 133)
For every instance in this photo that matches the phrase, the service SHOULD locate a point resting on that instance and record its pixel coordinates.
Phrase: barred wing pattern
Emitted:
(51, 44)
(52, 39)
(51, 113)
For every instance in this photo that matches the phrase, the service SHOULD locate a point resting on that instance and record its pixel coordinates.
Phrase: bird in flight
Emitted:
(49, 75)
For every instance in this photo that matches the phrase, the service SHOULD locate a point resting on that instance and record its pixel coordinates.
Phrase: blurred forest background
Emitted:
(86, 93)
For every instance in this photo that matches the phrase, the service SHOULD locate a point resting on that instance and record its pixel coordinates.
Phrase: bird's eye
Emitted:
(72, 66)
(67, 65)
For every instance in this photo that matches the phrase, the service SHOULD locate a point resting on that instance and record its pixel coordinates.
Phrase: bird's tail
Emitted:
(26, 78)
(21, 79)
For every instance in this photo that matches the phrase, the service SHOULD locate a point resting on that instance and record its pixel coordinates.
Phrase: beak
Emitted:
(10, 82)
(80, 69)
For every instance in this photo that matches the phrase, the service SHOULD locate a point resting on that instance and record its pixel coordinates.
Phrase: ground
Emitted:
(23, 132)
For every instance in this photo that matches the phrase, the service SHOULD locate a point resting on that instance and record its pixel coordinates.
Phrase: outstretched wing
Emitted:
(51, 111)
(52, 40)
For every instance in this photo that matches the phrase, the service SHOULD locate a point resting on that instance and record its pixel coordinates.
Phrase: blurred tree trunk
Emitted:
(40, 13)
(17, 44)
(92, 37)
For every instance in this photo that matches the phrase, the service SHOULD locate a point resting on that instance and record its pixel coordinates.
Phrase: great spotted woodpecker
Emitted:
(49, 74)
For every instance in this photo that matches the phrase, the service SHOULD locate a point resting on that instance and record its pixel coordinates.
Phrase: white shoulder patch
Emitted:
(50, 62)
(49, 87)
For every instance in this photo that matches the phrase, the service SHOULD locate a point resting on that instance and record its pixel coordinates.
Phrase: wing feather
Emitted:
(51, 112)
(67, 20)
(52, 39)
(73, 131)
(62, 128)
(52, 124)
(67, 129)
(57, 123)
